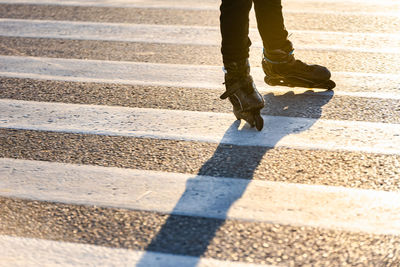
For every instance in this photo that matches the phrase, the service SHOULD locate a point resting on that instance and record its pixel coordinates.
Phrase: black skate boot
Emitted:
(281, 68)
(242, 93)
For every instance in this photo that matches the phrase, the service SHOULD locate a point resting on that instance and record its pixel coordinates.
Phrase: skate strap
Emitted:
(230, 92)
(244, 85)
(277, 62)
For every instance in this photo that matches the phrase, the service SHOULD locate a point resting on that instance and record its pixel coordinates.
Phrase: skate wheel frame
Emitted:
(252, 117)
(297, 82)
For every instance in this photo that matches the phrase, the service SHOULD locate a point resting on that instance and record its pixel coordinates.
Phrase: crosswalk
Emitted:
(115, 149)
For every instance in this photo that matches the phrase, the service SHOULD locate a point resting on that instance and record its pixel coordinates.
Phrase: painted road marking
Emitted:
(352, 7)
(20, 251)
(298, 133)
(385, 86)
(193, 35)
(327, 207)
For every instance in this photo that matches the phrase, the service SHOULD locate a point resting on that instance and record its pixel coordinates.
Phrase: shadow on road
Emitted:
(190, 236)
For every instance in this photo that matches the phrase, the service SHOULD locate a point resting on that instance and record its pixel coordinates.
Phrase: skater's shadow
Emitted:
(210, 195)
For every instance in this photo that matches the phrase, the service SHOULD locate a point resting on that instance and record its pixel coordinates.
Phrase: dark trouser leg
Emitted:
(234, 21)
(271, 25)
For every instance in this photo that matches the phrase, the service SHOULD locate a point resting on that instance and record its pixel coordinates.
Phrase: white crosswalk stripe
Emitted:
(19, 251)
(302, 133)
(354, 7)
(192, 76)
(333, 208)
(193, 35)
(182, 194)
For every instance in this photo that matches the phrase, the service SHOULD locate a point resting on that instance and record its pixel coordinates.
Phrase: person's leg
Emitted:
(234, 21)
(279, 63)
(271, 25)
(240, 89)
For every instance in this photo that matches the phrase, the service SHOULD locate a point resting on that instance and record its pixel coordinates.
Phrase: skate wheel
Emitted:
(270, 81)
(330, 85)
(237, 114)
(259, 122)
(288, 82)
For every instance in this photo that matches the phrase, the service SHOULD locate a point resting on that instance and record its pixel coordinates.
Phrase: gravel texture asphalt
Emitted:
(350, 169)
(220, 239)
(307, 105)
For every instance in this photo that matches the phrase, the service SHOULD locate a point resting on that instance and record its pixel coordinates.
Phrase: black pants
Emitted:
(234, 21)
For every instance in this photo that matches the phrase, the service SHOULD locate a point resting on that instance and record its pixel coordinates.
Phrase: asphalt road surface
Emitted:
(117, 151)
